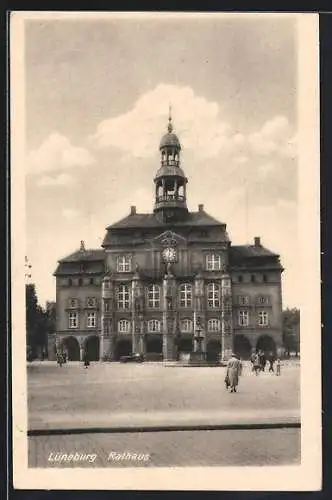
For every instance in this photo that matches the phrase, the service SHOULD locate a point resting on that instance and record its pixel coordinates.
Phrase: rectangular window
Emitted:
(107, 305)
(91, 320)
(243, 318)
(213, 295)
(186, 295)
(124, 264)
(243, 300)
(123, 297)
(154, 296)
(73, 320)
(264, 300)
(213, 262)
(263, 318)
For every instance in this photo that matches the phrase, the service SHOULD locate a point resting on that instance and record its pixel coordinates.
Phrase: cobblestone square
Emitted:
(115, 394)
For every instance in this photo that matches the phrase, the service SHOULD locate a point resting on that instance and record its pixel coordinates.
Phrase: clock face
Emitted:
(169, 254)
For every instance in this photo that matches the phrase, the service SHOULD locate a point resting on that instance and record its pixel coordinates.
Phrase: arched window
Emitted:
(186, 325)
(186, 295)
(213, 295)
(123, 297)
(214, 325)
(153, 325)
(154, 296)
(124, 326)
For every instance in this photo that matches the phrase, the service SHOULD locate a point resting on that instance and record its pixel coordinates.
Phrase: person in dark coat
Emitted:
(59, 358)
(271, 361)
(86, 360)
(262, 360)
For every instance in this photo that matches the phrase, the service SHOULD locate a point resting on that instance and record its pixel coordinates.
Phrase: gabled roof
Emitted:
(248, 251)
(88, 255)
(200, 218)
(252, 256)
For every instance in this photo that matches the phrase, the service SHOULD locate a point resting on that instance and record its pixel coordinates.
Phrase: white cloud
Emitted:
(197, 121)
(204, 131)
(275, 136)
(59, 180)
(56, 154)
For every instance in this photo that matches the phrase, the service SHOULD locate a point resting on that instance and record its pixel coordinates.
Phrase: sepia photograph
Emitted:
(165, 251)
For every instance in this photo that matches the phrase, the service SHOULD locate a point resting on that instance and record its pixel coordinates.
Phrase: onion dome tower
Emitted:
(170, 181)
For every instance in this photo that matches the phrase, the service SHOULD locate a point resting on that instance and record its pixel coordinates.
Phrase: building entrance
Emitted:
(123, 348)
(92, 348)
(242, 346)
(72, 347)
(213, 349)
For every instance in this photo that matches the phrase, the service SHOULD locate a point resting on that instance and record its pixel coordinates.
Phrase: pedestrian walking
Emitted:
(271, 361)
(257, 364)
(262, 360)
(240, 367)
(59, 358)
(86, 360)
(278, 367)
(233, 370)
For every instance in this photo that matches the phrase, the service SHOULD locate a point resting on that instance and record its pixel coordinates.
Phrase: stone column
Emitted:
(176, 188)
(226, 317)
(168, 319)
(163, 187)
(199, 316)
(136, 311)
(107, 321)
(81, 343)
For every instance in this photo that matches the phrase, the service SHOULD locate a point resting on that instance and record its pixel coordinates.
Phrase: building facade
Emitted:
(168, 283)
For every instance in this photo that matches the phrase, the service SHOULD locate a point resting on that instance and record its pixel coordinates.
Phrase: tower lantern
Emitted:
(170, 181)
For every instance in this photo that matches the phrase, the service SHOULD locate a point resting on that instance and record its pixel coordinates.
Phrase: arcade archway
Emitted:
(92, 348)
(72, 347)
(266, 344)
(123, 348)
(185, 345)
(242, 346)
(154, 345)
(213, 349)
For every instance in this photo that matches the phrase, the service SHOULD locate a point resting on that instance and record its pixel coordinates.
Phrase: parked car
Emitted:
(134, 357)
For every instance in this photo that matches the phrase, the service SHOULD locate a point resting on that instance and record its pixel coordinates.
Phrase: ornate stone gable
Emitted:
(169, 239)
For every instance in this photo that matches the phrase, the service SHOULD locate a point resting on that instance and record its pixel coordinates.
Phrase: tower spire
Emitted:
(170, 125)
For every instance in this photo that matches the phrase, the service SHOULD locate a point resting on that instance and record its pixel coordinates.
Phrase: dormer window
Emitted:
(213, 262)
(124, 263)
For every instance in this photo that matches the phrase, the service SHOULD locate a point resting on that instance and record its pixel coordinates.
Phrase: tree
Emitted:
(37, 323)
(291, 330)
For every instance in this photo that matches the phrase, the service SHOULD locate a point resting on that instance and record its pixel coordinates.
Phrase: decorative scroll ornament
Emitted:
(168, 240)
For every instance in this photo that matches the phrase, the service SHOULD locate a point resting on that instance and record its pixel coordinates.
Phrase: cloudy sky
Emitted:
(97, 94)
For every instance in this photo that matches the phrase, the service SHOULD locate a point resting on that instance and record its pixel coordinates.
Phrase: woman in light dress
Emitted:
(234, 366)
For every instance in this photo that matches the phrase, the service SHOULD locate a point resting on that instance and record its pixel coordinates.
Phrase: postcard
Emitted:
(165, 248)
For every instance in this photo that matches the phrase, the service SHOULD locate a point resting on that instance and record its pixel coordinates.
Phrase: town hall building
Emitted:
(168, 284)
